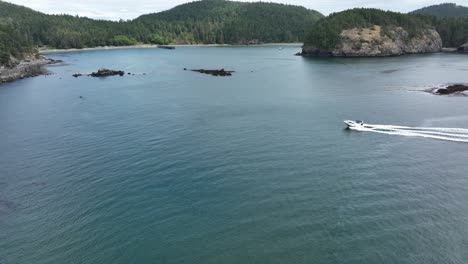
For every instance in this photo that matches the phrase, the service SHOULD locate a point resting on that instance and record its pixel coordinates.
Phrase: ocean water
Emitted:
(172, 166)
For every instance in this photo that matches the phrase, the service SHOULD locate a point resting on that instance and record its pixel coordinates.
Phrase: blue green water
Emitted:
(179, 167)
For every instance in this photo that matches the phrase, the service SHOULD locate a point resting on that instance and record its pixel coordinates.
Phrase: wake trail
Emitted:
(418, 132)
(441, 129)
(434, 133)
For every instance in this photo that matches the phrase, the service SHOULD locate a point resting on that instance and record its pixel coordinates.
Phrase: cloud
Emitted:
(124, 9)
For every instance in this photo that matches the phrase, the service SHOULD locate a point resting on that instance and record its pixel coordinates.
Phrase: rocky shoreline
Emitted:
(25, 69)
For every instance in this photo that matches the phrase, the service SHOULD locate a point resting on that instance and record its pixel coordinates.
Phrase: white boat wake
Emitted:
(440, 133)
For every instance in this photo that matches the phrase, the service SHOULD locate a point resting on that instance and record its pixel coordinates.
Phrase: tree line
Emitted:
(208, 22)
(202, 22)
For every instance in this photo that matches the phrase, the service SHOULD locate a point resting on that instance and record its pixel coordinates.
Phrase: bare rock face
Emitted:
(373, 42)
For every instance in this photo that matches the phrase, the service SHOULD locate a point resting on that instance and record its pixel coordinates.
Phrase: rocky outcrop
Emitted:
(30, 66)
(374, 42)
(451, 89)
(106, 72)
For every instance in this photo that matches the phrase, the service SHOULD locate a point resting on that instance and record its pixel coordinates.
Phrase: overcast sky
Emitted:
(125, 9)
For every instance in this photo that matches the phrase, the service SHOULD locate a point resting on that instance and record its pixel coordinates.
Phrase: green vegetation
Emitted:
(443, 10)
(453, 31)
(122, 40)
(218, 21)
(325, 33)
(450, 20)
(204, 22)
(61, 31)
(158, 39)
(13, 43)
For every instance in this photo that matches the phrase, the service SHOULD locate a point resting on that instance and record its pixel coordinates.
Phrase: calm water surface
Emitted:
(171, 166)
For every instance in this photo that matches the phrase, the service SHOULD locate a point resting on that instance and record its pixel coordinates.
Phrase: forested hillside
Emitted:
(204, 22)
(62, 31)
(13, 43)
(453, 31)
(443, 10)
(450, 20)
(215, 21)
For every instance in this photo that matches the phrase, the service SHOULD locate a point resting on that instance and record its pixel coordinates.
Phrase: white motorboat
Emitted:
(356, 123)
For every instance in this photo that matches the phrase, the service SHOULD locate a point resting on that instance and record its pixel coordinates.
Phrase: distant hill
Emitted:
(200, 22)
(219, 21)
(59, 31)
(207, 21)
(443, 10)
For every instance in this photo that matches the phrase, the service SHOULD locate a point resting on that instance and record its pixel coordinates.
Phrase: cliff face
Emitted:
(373, 42)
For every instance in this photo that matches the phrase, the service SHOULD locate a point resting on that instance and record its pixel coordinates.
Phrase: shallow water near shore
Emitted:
(173, 166)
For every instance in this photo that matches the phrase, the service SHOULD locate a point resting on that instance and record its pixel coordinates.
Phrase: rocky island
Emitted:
(370, 33)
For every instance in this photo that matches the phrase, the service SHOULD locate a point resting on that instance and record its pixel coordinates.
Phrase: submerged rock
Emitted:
(374, 42)
(221, 72)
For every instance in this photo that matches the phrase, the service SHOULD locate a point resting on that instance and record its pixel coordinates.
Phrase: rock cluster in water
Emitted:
(451, 89)
(102, 73)
(373, 42)
(221, 72)
(106, 72)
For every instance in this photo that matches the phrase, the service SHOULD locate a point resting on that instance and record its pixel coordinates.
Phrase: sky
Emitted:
(125, 9)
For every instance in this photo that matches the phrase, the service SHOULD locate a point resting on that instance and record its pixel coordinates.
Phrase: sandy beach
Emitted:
(148, 46)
